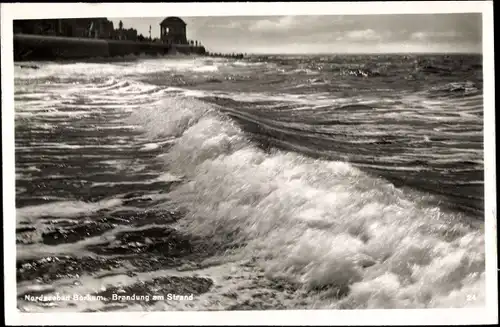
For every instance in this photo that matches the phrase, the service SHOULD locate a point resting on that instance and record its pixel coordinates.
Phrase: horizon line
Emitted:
(346, 53)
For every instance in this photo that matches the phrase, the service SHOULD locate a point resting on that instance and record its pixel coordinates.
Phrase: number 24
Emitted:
(471, 297)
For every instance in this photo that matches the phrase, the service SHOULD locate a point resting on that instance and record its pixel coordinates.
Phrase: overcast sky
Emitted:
(329, 34)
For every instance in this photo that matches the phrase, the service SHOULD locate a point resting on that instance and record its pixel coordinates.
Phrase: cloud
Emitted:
(233, 24)
(266, 25)
(435, 32)
(423, 36)
(363, 35)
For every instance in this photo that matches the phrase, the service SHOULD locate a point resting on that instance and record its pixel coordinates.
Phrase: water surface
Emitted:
(278, 182)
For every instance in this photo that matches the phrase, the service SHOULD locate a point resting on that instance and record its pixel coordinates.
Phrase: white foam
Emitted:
(51, 145)
(149, 147)
(205, 69)
(317, 223)
(117, 70)
(167, 177)
(63, 209)
(182, 114)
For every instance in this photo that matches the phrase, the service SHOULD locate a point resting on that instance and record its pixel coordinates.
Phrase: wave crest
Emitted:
(322, 225)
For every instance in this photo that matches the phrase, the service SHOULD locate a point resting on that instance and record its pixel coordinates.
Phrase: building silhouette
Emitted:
(70, 27)
(173, 31)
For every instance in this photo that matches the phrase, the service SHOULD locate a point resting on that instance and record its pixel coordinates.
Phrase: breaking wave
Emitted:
(323, 226)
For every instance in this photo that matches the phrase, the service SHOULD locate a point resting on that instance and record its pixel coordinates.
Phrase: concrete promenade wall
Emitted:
(37, 47)
(41, 47)
(188, 49)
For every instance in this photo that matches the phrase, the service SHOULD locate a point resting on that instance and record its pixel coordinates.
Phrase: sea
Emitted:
(269, 182)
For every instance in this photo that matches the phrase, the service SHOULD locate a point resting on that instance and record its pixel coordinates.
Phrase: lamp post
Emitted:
(120, 26)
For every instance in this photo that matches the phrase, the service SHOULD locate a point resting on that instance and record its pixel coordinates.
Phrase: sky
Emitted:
(391, 33)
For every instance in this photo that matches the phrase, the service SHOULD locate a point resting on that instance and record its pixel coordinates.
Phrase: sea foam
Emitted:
(324, 226)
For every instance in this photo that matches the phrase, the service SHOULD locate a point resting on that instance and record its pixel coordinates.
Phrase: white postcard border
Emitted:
(487, 315)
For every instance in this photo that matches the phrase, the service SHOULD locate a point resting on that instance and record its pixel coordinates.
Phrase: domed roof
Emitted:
(170, 20)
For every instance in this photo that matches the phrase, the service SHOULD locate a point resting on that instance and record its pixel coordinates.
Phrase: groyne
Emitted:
(226, 55)
(42, 47)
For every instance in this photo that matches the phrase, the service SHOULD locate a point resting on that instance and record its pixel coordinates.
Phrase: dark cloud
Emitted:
(347, 33)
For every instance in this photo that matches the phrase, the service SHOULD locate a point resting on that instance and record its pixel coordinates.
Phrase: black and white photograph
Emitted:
(249, 159)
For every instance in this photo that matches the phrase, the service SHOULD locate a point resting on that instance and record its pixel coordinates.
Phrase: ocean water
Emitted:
(274, 182)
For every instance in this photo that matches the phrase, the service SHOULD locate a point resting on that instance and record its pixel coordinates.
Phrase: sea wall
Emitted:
(41, 47)
(123, 48)
(36, 47)
(187, 49)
